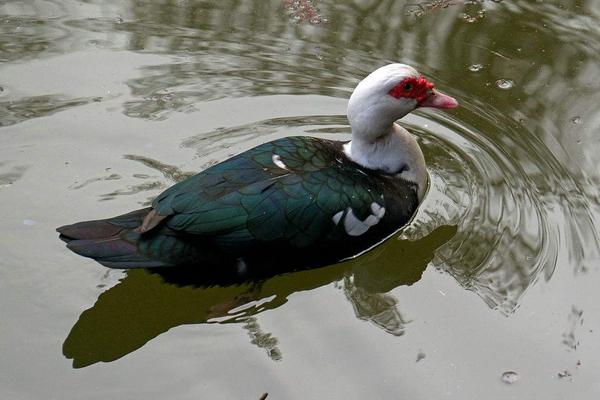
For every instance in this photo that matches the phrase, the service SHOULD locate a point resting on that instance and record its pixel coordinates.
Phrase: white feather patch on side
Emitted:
(356, 227)
(278, 162)
(337, 216)
(353, 225)
(377, 210)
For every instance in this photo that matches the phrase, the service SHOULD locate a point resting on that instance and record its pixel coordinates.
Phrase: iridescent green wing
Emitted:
(295, 189)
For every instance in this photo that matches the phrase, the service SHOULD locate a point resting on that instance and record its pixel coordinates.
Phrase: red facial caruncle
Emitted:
(413, 88)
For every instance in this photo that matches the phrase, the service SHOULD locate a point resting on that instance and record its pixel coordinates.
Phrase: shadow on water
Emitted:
(144, 305)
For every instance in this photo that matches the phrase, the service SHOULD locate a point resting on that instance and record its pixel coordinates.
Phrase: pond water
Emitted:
(491, 292)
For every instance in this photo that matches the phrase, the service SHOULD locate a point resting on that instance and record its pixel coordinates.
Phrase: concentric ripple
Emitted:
(518, 216)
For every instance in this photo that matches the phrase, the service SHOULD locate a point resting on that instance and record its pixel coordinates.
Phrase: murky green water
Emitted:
(105, 103)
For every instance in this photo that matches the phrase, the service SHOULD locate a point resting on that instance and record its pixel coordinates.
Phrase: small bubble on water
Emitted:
(475, 67)
(504, 84)
(576, 120)
(510, 377)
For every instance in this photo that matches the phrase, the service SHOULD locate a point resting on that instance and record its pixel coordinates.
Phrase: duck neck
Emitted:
(389, 148)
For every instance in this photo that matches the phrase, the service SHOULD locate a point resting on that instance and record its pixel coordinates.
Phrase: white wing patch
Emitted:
(377, 210)
(337, 216)
(278, 162)
(354, 226)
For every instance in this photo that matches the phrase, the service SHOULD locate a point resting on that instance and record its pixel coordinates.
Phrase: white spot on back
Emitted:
(278, 162)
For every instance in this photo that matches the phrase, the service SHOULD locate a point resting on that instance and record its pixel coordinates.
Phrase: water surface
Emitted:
(103, 104)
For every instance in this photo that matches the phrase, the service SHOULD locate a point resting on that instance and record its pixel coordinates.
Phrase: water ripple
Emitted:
(517, 209)
(18, 110)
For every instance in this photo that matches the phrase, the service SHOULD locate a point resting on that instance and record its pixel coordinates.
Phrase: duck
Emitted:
(293, 203)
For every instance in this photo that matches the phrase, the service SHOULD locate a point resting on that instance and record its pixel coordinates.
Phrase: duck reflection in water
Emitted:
(146, 303)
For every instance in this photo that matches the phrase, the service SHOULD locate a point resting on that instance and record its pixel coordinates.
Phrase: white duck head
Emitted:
(385, 95)
(388, 94)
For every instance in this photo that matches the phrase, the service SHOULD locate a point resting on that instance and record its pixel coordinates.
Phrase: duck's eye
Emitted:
(408, 87)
